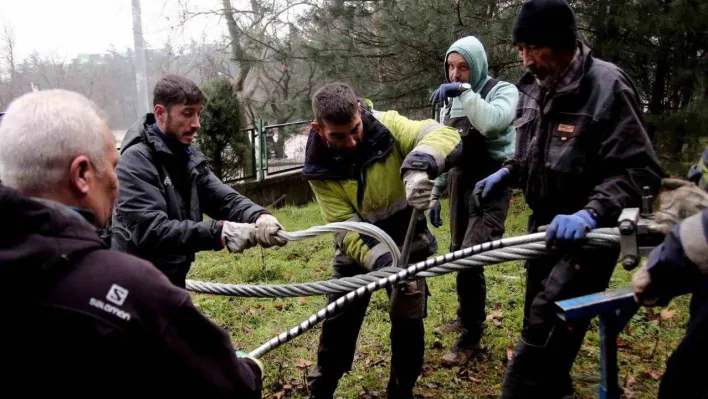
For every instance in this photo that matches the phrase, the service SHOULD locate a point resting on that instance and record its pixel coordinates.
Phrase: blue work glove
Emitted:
(565, 229)
(446, 90)
(434, 214)
(486, 186)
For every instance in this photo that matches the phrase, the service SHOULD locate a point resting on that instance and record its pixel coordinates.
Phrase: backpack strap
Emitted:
(488, 87)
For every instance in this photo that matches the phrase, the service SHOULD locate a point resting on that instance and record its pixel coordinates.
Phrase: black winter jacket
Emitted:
(81, 320)
(161, 201)
(583, 145)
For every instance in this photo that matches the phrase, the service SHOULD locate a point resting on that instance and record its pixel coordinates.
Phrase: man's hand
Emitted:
(491, 183)
(678, 200)
(446, 90)
(267, 228)
(418, 189)
(238, 237)
(646, 291)
(568, 228)
(434, 214)
(259, 363)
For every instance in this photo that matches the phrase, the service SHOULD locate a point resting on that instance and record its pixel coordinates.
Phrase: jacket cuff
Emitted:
(220, 227)
(599, 213)
(417, 160)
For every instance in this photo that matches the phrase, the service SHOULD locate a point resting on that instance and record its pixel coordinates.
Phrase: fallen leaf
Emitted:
(475, 380)
(302, 299)
(509, 353)
(287, 388)
(247, 330)
(496, 323)
(302, 363)
(278, 395)
(667, 313)
(279, 307)
(437, 344)
(629, 385)
(251, 311)
(653, 375)
(495, 314)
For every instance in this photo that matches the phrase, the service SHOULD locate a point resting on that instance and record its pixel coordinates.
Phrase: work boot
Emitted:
(453, 326)
(461, 353)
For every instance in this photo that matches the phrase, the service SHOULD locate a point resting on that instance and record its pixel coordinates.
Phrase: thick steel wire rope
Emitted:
(516, 250)
(480, 255)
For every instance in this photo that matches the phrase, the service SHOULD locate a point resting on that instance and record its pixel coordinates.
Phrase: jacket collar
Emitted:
(323, 163)
(142, 131)
(570, 82)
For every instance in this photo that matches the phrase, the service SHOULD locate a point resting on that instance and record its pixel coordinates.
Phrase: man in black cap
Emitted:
(582, 155)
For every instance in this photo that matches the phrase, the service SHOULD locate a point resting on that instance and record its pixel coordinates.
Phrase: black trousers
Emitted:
(687, 365)
(469, 226)
(338, 343)
(545, 354)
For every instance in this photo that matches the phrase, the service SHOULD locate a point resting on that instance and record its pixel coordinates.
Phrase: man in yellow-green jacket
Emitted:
(374, 167)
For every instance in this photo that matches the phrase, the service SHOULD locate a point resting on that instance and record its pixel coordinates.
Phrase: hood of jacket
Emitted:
(473, 51)
(38, 240)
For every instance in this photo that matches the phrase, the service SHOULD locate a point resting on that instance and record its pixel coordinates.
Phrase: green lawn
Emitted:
(644, 346)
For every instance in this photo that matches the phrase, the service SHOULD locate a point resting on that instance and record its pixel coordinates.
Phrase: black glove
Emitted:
(434, 214)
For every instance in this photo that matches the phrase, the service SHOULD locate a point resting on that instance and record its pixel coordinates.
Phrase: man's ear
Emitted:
(80, 174)
(316, 126)
(159, 110)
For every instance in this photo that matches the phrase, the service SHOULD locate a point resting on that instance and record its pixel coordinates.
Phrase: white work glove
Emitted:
(238, 237)
(267, 228)
(418, 189)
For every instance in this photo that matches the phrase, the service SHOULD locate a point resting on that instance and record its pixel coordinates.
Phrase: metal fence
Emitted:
(274, 149)
(285, 146)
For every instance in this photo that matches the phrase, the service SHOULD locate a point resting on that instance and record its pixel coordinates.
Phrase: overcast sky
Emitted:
(65, 28)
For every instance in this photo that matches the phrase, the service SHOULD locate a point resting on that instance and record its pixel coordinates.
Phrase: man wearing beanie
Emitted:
(482, 110)
(582, 155)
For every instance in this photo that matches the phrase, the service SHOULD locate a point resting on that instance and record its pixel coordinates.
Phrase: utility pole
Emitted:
(142, 106)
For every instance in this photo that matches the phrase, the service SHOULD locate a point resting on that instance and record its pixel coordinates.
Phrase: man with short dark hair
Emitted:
(354, 162)
(166, 186)
(82, 320)
(582, 155)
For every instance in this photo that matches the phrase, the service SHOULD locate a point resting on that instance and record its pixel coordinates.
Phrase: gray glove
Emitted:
(238, 237)
(267, 228)
(678, 200)
(418, 189)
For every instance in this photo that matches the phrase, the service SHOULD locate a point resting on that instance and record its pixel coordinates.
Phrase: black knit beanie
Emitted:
(546, 23)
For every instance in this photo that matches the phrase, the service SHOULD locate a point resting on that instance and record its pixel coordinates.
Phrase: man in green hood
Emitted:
(482, 109)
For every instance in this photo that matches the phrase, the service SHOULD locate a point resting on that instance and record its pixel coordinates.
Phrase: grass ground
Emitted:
(643, 347)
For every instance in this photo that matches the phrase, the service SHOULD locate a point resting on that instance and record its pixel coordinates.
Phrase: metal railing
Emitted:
(284, 146)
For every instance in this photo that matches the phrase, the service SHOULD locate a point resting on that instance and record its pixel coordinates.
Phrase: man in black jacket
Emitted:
(166, 186)
(582, 155)
(81, 320)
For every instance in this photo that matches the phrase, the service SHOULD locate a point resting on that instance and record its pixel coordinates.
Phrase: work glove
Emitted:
(653, 292)
(434, 214)
(242, 355)
(445, 91)
(237, 237)
(568, 228)
(267, 228)
(418, 189)
(678, 200)
(491, 183)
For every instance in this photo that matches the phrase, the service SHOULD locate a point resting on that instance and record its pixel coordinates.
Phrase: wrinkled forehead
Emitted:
(186, 108)
(353, 126)
(456, 59)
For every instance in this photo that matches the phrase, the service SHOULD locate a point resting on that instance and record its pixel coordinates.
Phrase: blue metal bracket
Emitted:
(614, 309)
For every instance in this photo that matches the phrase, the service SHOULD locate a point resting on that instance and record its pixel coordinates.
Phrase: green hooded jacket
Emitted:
(492, 117)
